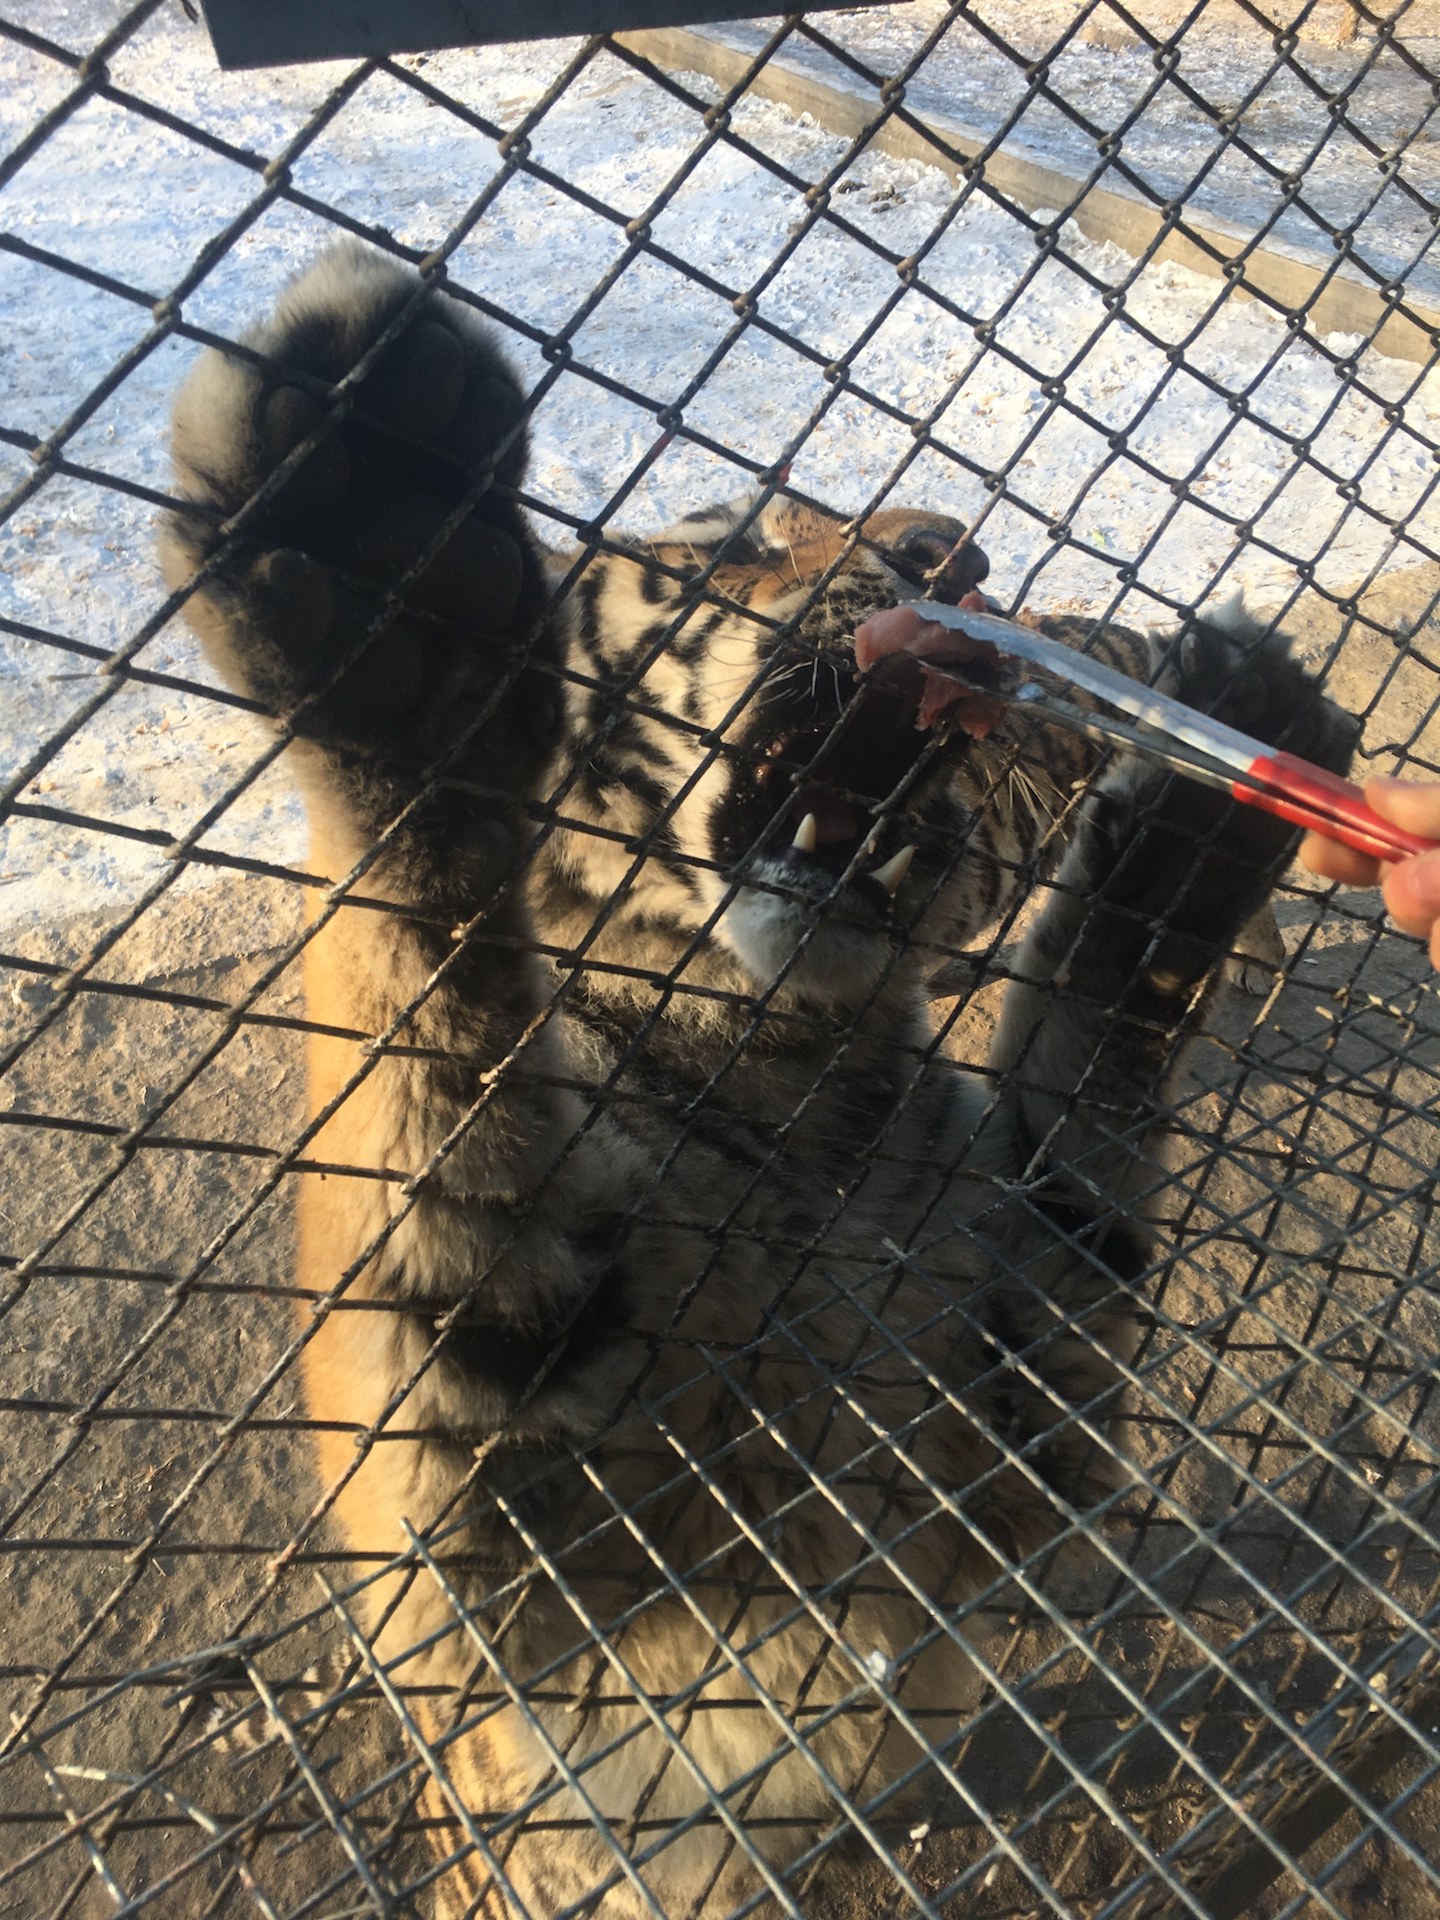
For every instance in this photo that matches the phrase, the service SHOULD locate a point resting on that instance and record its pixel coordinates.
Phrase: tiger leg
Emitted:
(1153, 891)
(354, 563)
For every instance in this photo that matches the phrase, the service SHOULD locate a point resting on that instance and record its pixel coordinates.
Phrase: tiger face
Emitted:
(790, 807)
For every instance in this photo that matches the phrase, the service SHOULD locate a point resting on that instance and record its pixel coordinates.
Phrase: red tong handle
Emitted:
(1310, 796)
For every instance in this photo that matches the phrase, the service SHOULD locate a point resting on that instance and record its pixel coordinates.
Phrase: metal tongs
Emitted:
(1182, 739)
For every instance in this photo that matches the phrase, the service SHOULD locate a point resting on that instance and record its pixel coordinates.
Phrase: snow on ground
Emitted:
(139, 202)
(1226, 54)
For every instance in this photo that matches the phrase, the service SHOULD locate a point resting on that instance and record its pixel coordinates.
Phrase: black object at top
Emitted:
(262, 33)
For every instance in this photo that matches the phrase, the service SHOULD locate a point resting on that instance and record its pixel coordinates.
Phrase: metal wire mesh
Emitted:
(1214, 1689)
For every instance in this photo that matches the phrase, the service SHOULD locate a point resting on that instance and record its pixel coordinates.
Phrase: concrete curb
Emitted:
(1285, 275)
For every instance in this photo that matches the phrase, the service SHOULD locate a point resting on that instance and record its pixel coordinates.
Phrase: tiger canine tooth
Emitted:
(894, 869)
(807, 834)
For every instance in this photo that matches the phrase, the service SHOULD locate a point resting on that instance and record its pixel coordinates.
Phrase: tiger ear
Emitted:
(712, 524)
(793, 523)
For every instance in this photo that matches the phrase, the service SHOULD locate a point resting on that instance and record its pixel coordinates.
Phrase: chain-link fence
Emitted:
(699, 1453)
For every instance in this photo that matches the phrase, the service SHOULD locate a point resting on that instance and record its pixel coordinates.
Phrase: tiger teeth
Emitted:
(894, 870)
(807, 834)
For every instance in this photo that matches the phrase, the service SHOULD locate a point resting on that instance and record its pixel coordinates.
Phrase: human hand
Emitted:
(1411, 888)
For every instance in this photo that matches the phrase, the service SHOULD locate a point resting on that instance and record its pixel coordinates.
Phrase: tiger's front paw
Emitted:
(1188, 864)
(1232, 667)
(378, 587)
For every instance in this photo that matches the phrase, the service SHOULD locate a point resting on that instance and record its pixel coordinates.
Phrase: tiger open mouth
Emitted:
(834, 792)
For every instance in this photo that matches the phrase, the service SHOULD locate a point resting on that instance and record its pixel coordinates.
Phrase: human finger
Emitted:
(1412, 804)
(1331, 861)
(1412, 892)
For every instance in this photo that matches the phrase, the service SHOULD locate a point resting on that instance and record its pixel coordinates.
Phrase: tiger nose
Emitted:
(954, 565)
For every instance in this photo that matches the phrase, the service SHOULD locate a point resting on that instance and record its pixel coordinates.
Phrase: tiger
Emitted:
(695, 1344)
